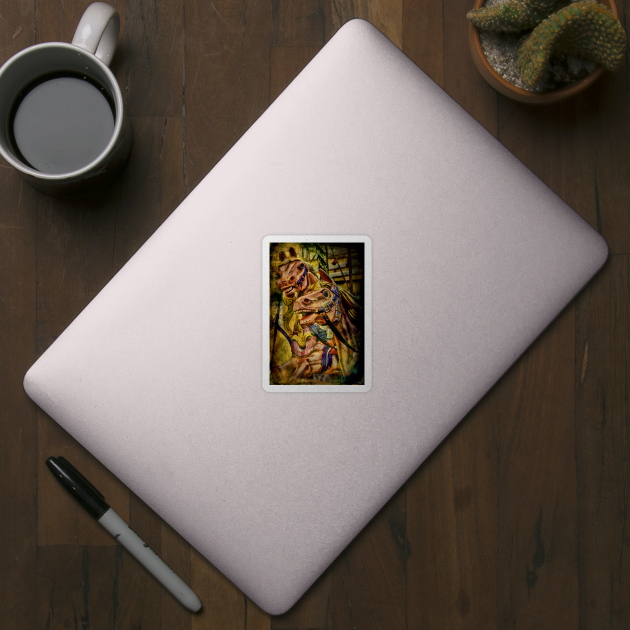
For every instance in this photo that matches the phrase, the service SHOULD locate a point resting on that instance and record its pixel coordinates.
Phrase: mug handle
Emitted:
(98, 30)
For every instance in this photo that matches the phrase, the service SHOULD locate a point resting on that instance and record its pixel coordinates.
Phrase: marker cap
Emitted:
(78, 486)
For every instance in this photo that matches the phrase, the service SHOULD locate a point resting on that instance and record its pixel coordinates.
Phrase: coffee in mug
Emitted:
(65, 128)
(61, 122)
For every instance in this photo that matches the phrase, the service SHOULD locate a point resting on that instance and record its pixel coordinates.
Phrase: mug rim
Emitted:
(118, 122)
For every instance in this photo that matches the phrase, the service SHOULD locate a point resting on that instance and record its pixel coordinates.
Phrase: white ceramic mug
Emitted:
(88, 57)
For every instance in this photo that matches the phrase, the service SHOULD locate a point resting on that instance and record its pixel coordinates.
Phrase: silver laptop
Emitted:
(317, 315)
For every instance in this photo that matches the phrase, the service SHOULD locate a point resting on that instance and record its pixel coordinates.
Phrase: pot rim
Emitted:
(514, 92)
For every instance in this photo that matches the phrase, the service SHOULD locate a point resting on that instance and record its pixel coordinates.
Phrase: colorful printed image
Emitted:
(316, 315)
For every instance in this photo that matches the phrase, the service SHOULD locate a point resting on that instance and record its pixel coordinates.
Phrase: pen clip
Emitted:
(62, 460)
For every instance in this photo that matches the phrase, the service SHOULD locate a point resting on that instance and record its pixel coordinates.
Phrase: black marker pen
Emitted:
(94, 502)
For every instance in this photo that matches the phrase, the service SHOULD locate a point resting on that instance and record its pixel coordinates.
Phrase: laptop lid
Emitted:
(443, 257)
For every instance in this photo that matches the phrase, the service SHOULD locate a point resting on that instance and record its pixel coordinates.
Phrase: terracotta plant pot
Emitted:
(519, 94)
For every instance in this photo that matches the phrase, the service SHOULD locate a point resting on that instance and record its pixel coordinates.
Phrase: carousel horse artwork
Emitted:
(318, 358)
(294, 275)
(327, 307)
(321, 323)
(340, 311)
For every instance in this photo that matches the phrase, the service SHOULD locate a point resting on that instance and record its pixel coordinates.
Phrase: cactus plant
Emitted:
(583, 29)
(513, 16)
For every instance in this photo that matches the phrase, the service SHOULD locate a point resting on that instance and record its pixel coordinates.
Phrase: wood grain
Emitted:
(422, 36)
(609, 134)
(301, 23)
(602, 380)
(18, 416)
(154, 57)
(559, 147)
(57, 22)
(386, 15)
(461, 79)
(537, 510)
(17, 28)
(76, 587)
(452, 515)
(369, 577)
(226, 78)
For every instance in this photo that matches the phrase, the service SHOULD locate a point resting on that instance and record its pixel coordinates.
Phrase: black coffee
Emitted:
(62, 122)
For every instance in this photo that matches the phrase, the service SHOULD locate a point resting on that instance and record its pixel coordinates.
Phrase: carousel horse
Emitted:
(338, 310)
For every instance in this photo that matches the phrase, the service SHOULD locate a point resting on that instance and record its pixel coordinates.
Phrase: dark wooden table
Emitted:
(518, 520)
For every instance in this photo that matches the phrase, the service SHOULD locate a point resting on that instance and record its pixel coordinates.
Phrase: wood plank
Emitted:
(423, 36)
(537, 537)
(603, 468)
(461, 78)
(369, 577)
(74, 248)
(18, 415)
(608, 127)
(224, 606)
(300, 23)
(558, 147)
(285, 64)
(76, 587)
(313, 609)
(452, 527)
(154, 57)
(18, 421)
(226, 78)
(17, 28)
(386, 15)
(171, 159)
(255, 618)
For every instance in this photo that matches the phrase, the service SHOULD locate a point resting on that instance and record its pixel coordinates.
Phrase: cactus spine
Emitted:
(513, 16)
(583, 29)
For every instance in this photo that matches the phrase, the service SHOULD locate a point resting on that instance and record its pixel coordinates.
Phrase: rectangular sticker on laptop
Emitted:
(317, 320)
